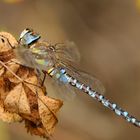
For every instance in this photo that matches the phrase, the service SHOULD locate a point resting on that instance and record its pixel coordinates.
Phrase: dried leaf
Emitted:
(47, 112)
(16, 101)
(9, 117)
(34, 129)
(14, 67)
(1, 70)
(21, 95)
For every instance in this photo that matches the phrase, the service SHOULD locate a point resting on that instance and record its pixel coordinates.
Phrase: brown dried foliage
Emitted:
(21, 96)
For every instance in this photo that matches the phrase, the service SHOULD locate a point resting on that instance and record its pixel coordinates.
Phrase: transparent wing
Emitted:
(59, 90)
(66, 91)
(67, 52)
(66, 56)
(24, 56)
(63, 52)
(84, 78)
(93, 82)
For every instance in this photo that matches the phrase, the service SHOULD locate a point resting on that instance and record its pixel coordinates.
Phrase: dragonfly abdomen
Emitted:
(64, 77)
(108, 104)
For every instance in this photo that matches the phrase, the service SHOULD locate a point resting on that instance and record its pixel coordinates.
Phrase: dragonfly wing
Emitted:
(67, 52)
(92, 82)
(24, 56)
(59, 90)
(85, 78)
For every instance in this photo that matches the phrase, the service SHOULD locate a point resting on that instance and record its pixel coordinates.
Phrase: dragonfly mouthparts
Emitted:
(28, 36)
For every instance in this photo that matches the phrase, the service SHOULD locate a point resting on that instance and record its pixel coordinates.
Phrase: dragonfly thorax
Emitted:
(43, 56)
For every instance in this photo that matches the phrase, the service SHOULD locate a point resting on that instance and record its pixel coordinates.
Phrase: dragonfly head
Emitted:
(28, 36)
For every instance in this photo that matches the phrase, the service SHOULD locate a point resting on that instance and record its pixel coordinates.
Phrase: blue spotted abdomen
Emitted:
(59, 74)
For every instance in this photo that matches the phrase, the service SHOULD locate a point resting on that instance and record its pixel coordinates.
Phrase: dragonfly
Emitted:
(58, 62)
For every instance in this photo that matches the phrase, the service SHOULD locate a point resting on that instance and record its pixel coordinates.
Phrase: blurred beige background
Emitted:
(107, 34)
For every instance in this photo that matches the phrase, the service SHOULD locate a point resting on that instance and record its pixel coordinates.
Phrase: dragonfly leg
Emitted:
(43, 80)
(40, 80)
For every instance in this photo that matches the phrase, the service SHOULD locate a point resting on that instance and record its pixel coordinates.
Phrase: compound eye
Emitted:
(27, 37)
(23, 33)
